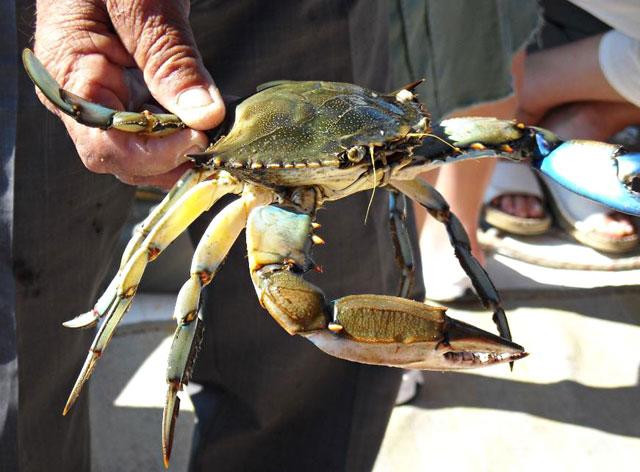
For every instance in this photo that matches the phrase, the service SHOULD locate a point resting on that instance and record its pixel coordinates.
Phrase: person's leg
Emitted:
(66, 222)
(565, 23)
(8, 343)
(463, 185)
(54, 220)
(270, 401)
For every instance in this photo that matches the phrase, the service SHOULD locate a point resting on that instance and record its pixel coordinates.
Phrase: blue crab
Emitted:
(288, 149)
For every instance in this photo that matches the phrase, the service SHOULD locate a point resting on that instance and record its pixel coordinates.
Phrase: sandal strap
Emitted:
(511, 178)
(571, 206)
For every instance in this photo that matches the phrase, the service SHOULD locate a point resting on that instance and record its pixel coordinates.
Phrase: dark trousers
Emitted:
(564, 22)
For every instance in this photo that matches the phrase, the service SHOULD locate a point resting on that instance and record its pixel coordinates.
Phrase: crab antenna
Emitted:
(375, 180)
(429, 135)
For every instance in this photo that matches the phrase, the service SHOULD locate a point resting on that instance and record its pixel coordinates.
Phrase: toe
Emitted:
(611, 225)
(619, 224)
(535, 209)
(507, 205)
(520, 205)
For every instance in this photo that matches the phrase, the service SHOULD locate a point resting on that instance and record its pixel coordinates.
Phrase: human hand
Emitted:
(119, 53)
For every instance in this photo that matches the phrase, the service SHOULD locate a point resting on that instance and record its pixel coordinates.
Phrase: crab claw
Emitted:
(602, 172)
(467, 347)
(384, 330)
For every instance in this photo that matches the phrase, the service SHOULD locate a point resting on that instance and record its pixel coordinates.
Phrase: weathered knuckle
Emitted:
(159, 34)
(148, 26)
(169, 58)
(98, 163)
(65, 31)
(180, 68)
(96, 159)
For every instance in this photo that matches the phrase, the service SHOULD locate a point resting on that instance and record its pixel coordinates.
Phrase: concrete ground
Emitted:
(573, 404)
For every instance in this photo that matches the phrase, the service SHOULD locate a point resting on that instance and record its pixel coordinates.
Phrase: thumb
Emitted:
(158, 35)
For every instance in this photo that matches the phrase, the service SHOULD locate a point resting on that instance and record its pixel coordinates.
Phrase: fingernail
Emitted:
(196, 97)
(199, 107)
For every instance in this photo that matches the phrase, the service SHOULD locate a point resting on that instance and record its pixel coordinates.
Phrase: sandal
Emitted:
(518, 180)
(582, 219)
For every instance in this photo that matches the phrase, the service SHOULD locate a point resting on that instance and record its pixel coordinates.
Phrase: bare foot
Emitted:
(613, 224)
(610, 225)
(523, 206)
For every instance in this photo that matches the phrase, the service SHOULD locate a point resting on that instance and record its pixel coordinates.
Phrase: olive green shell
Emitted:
(298, 124)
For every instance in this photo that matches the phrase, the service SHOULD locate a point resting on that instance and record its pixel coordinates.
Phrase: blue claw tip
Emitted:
(598, 171)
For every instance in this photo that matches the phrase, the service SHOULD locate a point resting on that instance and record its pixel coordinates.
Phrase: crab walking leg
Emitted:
(372, 329)
(401, 241)
(175, 221)
(92, 114)
(188, 180)
(436, 205)
(207, 260)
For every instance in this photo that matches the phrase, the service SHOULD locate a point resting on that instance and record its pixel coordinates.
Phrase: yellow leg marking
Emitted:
(174, 221)
(143, 238)
(188, 180)
(211, 251)
(335, 327)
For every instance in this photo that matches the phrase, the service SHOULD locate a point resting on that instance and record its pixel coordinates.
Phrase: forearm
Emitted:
(562, 75)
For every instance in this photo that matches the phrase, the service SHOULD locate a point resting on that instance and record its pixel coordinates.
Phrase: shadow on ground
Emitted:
(128, 438)
(605, 409)
(618, 304)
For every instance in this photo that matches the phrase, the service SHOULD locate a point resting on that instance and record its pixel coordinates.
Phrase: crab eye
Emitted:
(422, 125)
(356, 153)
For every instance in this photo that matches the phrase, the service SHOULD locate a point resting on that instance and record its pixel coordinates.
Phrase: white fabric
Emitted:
(619, 57)
(511, 178)
(619, 53)
(573, 207)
